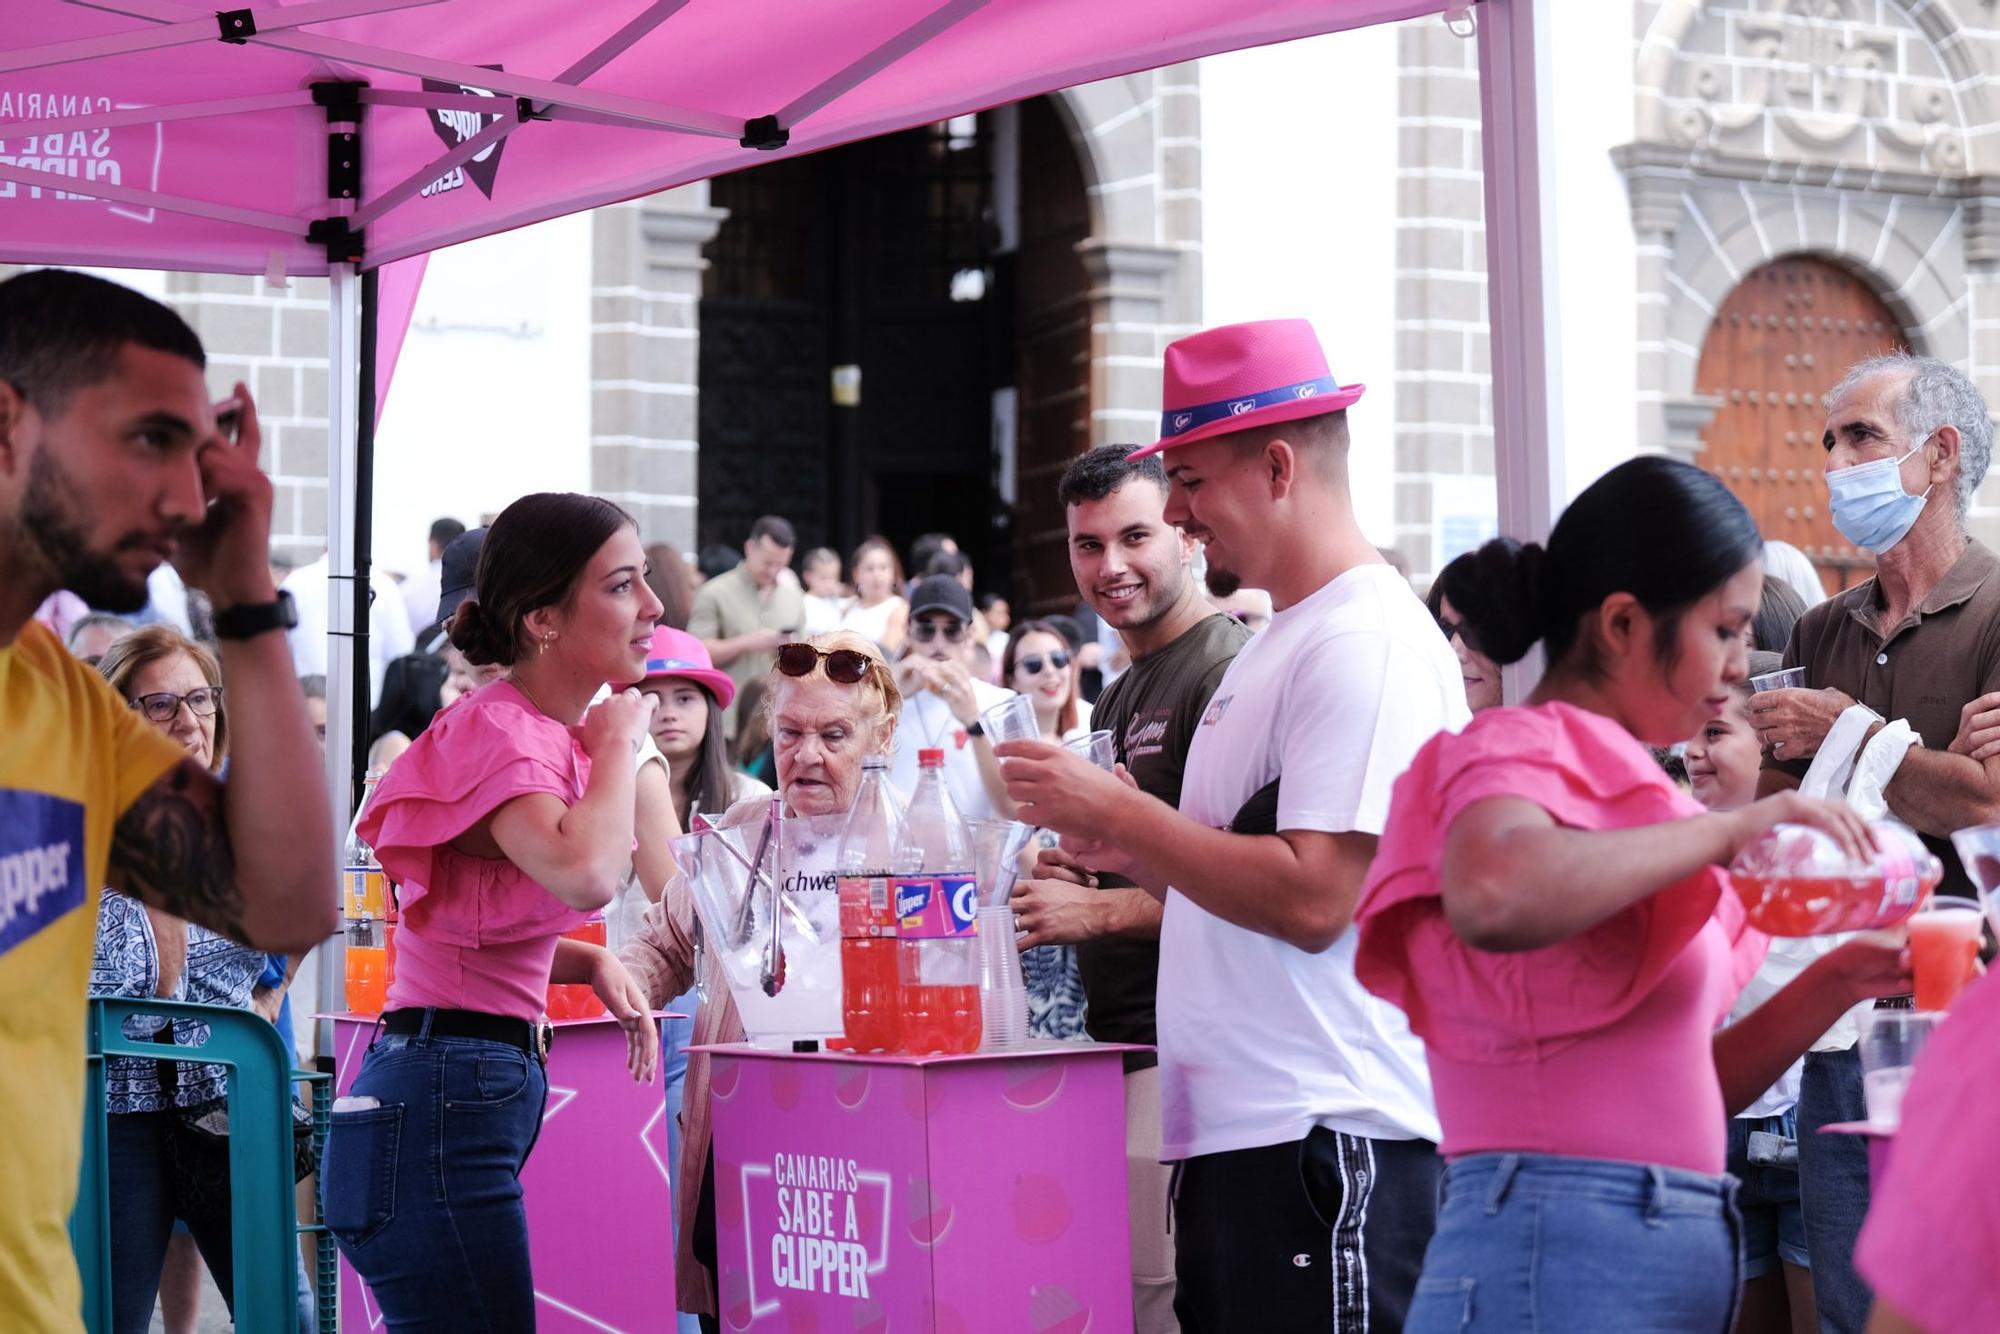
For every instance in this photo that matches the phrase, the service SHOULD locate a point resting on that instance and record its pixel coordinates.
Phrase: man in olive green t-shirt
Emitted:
(745, 614)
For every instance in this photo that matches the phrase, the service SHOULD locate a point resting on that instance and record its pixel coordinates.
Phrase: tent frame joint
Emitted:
(341, 98)
(765, 134)
(525, 110)
(344, 245)
(237, 26)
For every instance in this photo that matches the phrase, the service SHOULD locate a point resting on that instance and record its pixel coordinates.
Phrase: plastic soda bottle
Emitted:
(576, 1000)
(870, 981)
(364, 906)
(1795, 881)
(937, 906)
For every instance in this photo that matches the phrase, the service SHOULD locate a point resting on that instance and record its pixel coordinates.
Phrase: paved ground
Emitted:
(214, 1315)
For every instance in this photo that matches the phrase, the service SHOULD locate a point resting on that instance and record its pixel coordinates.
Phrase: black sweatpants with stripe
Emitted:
(1322, 1234)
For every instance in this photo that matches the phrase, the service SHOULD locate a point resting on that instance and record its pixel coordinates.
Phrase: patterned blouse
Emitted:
(1056, 1006)
(219, 972)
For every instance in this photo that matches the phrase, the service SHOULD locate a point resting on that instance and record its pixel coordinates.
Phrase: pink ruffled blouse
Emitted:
(1594, 1047)
(476, 932)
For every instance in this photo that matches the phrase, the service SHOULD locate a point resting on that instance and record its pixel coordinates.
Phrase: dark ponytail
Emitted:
(1661, 530)
(532, 557)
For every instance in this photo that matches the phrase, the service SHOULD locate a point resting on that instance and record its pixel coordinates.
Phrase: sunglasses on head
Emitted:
(925, 631)
(843, 665)
(1032, 664)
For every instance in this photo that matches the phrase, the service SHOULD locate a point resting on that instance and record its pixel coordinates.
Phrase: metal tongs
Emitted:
(772, 973)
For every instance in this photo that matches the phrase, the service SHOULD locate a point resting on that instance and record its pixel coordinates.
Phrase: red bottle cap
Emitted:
(930, 759)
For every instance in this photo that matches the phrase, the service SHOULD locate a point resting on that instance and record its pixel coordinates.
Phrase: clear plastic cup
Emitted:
(1012, 719)
(996, 857)
(1944, 950)
(1100, 748)
(1791, 678)
(1979, 852)
(1891, 1041)
(1003, 993)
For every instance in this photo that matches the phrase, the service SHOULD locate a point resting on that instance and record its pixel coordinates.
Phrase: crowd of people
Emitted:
(1444, 1014)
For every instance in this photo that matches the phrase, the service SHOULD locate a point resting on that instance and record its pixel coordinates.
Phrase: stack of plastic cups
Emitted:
(1003, 993)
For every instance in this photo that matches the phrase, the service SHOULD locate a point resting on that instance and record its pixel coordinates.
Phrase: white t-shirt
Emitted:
(1261, 1041)
(389, 633)
(926, 722)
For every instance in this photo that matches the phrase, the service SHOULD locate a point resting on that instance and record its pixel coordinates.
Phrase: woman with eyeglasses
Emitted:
(832, 704)
(141, 951)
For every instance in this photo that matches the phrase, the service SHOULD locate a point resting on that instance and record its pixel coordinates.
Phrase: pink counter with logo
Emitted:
(600, 1209)
(922, 1193)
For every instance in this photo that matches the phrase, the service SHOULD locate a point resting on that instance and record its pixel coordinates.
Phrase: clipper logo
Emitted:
(1182, 420)
(41, 863)
(1241, 406)
(128, 155)
(453, 127)
(1215, 711)
(1308, 390)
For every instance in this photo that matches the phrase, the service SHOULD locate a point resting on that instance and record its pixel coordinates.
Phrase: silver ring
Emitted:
(1017, 921)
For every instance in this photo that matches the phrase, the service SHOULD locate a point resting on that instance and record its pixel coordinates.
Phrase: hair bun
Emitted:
(1500, 593)
(475, 634)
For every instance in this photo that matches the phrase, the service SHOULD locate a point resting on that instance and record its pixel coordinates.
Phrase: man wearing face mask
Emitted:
(1908, 440)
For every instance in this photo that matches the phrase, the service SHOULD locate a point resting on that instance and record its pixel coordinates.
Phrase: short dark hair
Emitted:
(1095, 475)
(60, 331)
(776, 529)
(1659, 529)
(925, 547)
(446, 531)
(533, 556)
(953, 563)
(715, 559)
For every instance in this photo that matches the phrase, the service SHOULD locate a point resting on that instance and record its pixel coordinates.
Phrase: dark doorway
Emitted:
(857, 257)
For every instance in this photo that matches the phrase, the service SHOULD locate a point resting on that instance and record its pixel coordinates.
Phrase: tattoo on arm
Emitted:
(171, 849)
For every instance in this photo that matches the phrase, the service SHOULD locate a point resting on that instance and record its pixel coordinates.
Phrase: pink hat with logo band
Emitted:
(678, 653)
(1242, 376)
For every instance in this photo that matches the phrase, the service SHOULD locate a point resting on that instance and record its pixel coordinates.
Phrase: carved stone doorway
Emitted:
(1781, 339)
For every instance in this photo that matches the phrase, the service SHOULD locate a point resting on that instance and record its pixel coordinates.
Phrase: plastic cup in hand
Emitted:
(1792, 678)
(996, 857)
(1012, 719)
(1979, 852)
(1891, 1041)
(1099, 748)
(1944, 951)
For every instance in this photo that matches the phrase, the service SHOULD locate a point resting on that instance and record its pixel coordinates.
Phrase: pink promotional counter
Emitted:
(600, 1207)
(947, 1194)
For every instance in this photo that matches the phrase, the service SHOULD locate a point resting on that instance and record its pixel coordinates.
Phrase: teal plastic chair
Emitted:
(263, 1220)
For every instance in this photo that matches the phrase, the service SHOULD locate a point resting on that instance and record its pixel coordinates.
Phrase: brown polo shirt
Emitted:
(1943, 656)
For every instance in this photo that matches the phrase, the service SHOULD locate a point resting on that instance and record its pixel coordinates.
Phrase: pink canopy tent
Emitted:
(336, 136)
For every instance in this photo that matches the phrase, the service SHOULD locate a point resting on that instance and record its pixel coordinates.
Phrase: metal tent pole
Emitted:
(345, 687)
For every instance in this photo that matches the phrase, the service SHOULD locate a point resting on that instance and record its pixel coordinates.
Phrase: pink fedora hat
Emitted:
(678, 653)
(1245, 375)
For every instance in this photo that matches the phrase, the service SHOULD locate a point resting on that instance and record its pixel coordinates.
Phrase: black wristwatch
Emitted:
(251, 619)
(975, 728)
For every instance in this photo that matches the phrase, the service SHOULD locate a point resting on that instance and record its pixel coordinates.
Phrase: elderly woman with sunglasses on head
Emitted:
(831, 703)
(142, 951)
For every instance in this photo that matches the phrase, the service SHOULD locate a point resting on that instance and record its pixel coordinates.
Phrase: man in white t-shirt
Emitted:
(942, 701)
(1297, 1105)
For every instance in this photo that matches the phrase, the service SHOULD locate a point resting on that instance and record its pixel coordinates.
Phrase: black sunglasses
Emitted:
(925, 631)
(1032, 664)
(843, 665)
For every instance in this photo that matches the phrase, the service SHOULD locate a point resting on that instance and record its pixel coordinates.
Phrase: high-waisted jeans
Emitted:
(423, 1191)
(1540, 1244)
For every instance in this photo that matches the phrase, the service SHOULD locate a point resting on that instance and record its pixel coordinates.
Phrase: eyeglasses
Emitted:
(843, 665)
(162, 707)
(1032, 664)
(925, 631)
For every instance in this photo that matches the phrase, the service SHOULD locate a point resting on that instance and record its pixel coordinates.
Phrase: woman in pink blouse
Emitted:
(505, 824)
(1550, 912)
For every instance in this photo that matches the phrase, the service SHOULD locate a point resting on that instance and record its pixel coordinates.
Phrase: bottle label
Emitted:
(937, 907)
(362, 890)
(867, 907)
(1901, 885)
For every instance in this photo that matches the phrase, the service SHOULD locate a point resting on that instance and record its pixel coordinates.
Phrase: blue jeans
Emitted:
(423, 1192)
(675, 1035)
(1540, 1244)
(142, 1218)
(1774, 1227)
(1833, 1187)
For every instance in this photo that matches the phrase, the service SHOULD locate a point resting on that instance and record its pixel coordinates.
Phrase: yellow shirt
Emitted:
(73, 756)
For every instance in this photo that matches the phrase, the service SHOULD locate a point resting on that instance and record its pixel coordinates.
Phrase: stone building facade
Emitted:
(1859, 132)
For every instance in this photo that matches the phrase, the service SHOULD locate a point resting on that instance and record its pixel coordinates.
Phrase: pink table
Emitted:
(600, 1207)
(922, 1193)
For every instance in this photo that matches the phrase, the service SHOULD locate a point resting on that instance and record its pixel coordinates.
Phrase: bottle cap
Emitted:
(928, 758)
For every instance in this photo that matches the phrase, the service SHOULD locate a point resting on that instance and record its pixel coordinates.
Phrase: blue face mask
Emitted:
(1870, 507)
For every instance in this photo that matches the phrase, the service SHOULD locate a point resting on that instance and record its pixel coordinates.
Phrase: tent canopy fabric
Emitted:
(158, 134)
